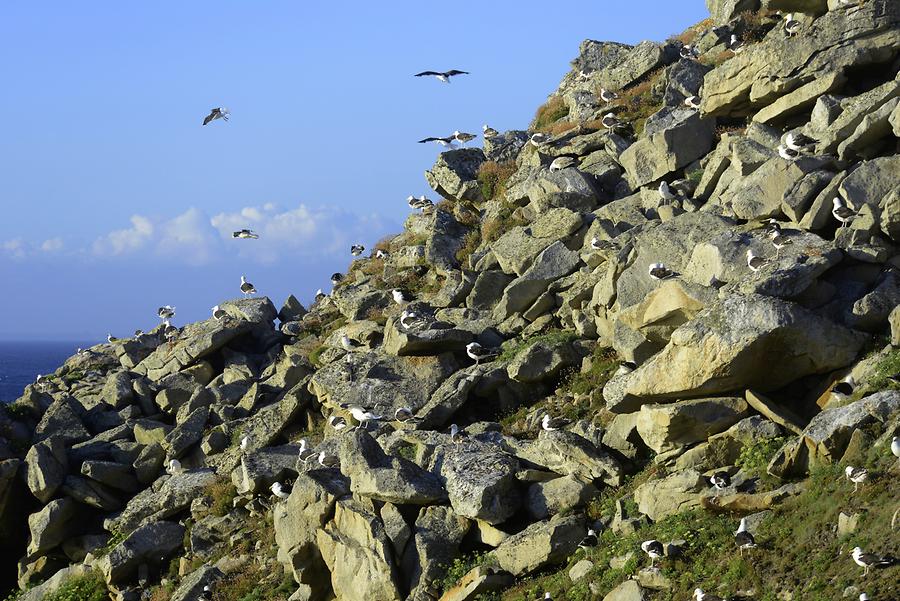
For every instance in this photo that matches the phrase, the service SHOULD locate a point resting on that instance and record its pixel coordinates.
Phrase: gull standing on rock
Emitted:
(689, 52)
(539, 139)
(665, 193)
(798, 141)
(755, 262)
(405, 414)
(400, 296)
(336, 278)
(788, 154)
(626, 367)
(779, 240)
(218, 313)
(110, 338)
(245, 443)
(363, 416)
(246, 287)
(174, 467)
(328, 460)
(279, 491)
(337, 422)
(589, 541)
(895, 447)
(692, 102)
(488, 132)
(357, 249)
(598, 244)
(699, 595)
(166, 313)
(658, 271)
(610, 121)
(462, 137)
(791, 25)
(734, 44)
(857, 475)
(561, 163)
(608, 96)
(443, 76)
(245, 234)
(550, 424)
(720, 480)
(217, 113)
(348, 344)
(457, 434)
(477, 352)
(842, 212)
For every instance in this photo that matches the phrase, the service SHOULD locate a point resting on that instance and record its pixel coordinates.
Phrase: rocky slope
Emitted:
(726, 365)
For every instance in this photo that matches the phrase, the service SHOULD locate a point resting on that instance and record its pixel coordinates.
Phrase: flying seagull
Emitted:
(842, 212)
(246, 287)
(443, 76)
(218, 313)
(462, 137)
(742, 538)
(477, 352)
(869, 560)
(654, 550)
(779, 240)
(549, 424)
(561, 163)
(692, 102)
(357, 249)
(720, 480)
(279, 491)
(607, 96)
(755, 262)
(447, 141)
(245, 234)
(658, 271)
(217, 113)
(857, 475)
(488, 132)
(589, 541)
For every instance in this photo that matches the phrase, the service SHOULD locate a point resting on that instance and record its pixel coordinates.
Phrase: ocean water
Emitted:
(21, 362)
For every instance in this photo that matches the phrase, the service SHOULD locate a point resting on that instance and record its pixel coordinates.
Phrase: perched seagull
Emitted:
(488, 132)
(787, 153)
(245, 443)
(665, 193)
(357, 249)
(720, 480)
(443, 76)
(699, 595)
(895, 446)
(381, 254)
(110, 338)
(409, 318)
(447, 142)
(477, 352)
(337, 422)
(799, 142)
(422, 203)
(598, 244)
(857, 475)
(400, 296)
(547, 597)
(842, 212)
(246, 287)
(610, 121)
(653, 549)
(363, 416)
(779, 240)
(245, 234)
(174, 467)
(689, 52)
(549, 424)
(327, 460)
(462, 137)
(348, 344)
(589, 541)
(658, 271)
(291, 328)
(217, 113)
(869, 560)
(791, 25)
(405, 414)
(607, 96)
(692, 102)
(561, 163)
(320, 296)
(539, 139)
(742, 538)
(138, 333)
(863, 597)
(206, 594)
(734, 44)
(626, 367)
(218, 313)
(457, 434)
(304, 450)
(279, 491)
(754, 262)
(166, 313)
(336, 278)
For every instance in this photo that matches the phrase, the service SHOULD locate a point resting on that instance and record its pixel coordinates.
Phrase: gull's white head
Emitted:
(302, 445)
(243, 279)
(837, 202)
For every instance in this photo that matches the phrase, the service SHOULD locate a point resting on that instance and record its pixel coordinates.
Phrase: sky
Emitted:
(114, 199)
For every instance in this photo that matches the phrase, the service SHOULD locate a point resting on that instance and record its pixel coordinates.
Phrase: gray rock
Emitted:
(91, 493)
(540, 544)
(481, 484)
(186, 434)
(871, 312)
(46, 465)
(542, 361)
(150, 544)
(615, 66)
(115, 475)
(566, 188)
(506, 146)
(516, 249)
(149, 463)
(257, 310)
(454, 174)
(292, 310)
(488, 289)
(49, 527)
(552, 263)
(668, 427)
(62, 419)
(445, 237)
(118, 391)
(173, 496)
(438, 533)
(569, 454)
(262, 468)
(191, 586)
(673, 494)
(559, 495)
(402, 341)
(894, 320)
(722, 12)
(761, 193)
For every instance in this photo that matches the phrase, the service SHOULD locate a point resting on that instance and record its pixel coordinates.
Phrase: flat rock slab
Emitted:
(174, 495)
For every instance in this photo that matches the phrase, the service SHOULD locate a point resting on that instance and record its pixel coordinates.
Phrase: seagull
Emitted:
(357, 249)
(218, 313)
(791, 25)
(462, 137)
(246, 287)
(842, 212)
(539, 139)
(547, 597)
(658, 271)
(754, 262)
(734, 44)
(895, 446)
(610, 121)
(843, 389)
(720, 480)
(320, 296)
(787, 153)
(477, 352)
(457, 434)
(857, 475)
(292, 328)
(798, 141)
(110, 338)
(381, 254)
(174, 467)
(665, 193)
(363, 416)
(869, 560)
(337, 422)
(779, 240)
(561, 163)
(488, 132)
(598, 244)
(699, 595)
(549, 424)
(653, 549)
(607, 96)
(743, 538)
(304, 450)
(245, 234)
(245, 443)
(443, 76)
(405, 414)
(689, 52)
(419, 203)
(448, 141)
(692, 102)
(400, 296)
(626, 367)
(327, 460)
(589, 541)
(348, 344)
(206, 594)
(166, 313)
(279, 491)
(336, 278)
(863, 597)
(409, 318)
(217, 113)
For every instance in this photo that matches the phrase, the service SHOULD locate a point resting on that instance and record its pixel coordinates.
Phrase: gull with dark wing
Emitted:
(477, 352)
(336, 278)
(357, 249)
(870, 560)
(563, 162)
(654, 550)
(462, 137)
(539, 139)
(742, 537)
(245, 234)
(791, 25)
(798, 141)
(755, 262)
(246, 287)
(842, 212)
(217, 113)
(692, 102)
(659, 271)
(788, 154)
(607, 96)
(447, 141)
(488, 132)
(549, 424)
(443, 76)
(337, 422)
(857, 475)
(779, 240)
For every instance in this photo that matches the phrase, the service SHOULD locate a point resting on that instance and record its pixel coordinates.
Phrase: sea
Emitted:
(21, 362)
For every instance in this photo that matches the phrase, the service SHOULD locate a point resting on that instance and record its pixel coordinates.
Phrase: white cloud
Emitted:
(14, 248)
(188, 236)
(52, 245)
(120, 242)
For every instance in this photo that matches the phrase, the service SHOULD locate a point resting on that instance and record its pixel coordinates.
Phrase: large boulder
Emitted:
(565, 188)
(553, 263)
(261, 468)
(542, 360)
(615, 66)
(46, 467)
(505, 146)
(723, 11)
(516, 249)
(62, 419)
(54, 523)
(672, 426)
(540, 544)
(445, 237)
(559, 495)
(455, 174)
(173, 496)
(149, 544)
(481, 484)
(568, 454)
(740, 342)
(673, 494)
(438, 533)
(431, 339)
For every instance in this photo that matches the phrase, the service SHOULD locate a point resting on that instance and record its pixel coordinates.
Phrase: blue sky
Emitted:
(115, 200)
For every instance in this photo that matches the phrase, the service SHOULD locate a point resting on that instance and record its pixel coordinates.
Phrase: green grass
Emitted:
(459, 567)
(549, 113)
(603, 366)
(492, 177)
(887, 366)
(89, 587)
(115, 537)
(511, 348)
(316, 354)
(16, 410)
(222, 493)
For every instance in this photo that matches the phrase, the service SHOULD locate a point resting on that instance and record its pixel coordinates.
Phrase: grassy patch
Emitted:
(503, 221)
(511, 348)
(695, 176)
(637, 102)
(887, 366)
(470, 244)
(460, 567)
(16, 410)
(89, 587)
(549, 113)
(604, 364)
(222, 493)
(492, 177)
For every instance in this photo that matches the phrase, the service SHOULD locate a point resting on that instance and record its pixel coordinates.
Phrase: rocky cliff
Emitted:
(666, 274)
